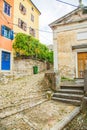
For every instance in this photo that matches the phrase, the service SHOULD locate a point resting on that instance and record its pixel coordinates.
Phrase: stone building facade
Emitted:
(70, 43)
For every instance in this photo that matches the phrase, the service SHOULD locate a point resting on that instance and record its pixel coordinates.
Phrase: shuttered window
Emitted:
(22, 24)
(32, 17)
(7, 8)
(32, 31)
(7, 32)
(22, 9)
(19, 22)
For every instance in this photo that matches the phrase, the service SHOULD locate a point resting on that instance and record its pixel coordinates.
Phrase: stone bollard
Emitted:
(53, 80)
(85, 81)
(49, 94)
(84, 105)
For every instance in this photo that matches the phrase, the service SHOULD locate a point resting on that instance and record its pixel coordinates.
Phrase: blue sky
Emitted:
(50, 11)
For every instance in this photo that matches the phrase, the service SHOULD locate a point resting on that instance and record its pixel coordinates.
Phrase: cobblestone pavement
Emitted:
(23, 105)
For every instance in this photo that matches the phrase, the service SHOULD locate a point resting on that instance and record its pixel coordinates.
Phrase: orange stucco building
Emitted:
(6, 34)
(15, 16)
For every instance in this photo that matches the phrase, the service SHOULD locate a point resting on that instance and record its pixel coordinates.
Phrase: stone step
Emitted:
(79, 80)
(68, 96)
(74, 102)
(72, 91)
(73, 87)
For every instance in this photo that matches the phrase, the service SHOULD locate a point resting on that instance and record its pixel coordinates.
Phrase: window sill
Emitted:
(7, 14)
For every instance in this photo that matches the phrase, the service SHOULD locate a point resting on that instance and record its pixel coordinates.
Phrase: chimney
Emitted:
(80, 4)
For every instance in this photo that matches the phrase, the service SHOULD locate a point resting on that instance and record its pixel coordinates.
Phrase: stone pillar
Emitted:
(55, 52)
(80, 4)
(52, 80)
(56, 76)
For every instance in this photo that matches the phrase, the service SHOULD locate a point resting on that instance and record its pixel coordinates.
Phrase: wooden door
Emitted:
(82, 61)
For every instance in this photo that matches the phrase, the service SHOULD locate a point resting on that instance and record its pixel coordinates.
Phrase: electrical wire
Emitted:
(36, 28)
(66, 3)
(43, 31)
(33, 28)
(40, 30)
(4, 17)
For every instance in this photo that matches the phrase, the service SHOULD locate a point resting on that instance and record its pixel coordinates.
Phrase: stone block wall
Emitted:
(52, 80)
(65, 55)
(25, 66)
(21, 68)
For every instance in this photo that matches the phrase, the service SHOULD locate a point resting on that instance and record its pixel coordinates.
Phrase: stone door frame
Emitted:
(76, 58)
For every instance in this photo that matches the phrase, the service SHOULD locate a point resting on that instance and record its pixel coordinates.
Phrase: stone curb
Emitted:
(60, 125)
(15, 111)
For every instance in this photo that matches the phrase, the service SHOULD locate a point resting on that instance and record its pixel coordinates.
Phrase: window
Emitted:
(22, 24)
(32, 31)
(82, 35)
(7, 32)
(32, 9)
(22, 9)
(7, 8)
(32, 17)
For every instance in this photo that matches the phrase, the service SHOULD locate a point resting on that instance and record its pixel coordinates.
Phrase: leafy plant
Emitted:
(66, 79)
(29, 46)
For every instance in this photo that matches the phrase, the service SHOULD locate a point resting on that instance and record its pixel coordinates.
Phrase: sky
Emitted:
(51, 10)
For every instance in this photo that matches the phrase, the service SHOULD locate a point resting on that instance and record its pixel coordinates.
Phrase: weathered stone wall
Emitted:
(66, 56)
(21, 68)
(66, 38)
(52, 80)
(25, 66)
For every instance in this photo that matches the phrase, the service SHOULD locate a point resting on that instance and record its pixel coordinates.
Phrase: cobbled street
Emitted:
(24, 106)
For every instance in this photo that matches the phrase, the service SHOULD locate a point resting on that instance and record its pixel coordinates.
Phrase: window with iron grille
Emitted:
(22, 24)
(7, 8)
(22, 9)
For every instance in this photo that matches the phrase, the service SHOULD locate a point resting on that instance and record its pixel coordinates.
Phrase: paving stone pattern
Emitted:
(17, 105)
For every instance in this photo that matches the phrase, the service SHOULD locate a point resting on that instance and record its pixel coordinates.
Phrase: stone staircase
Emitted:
(70, 93)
